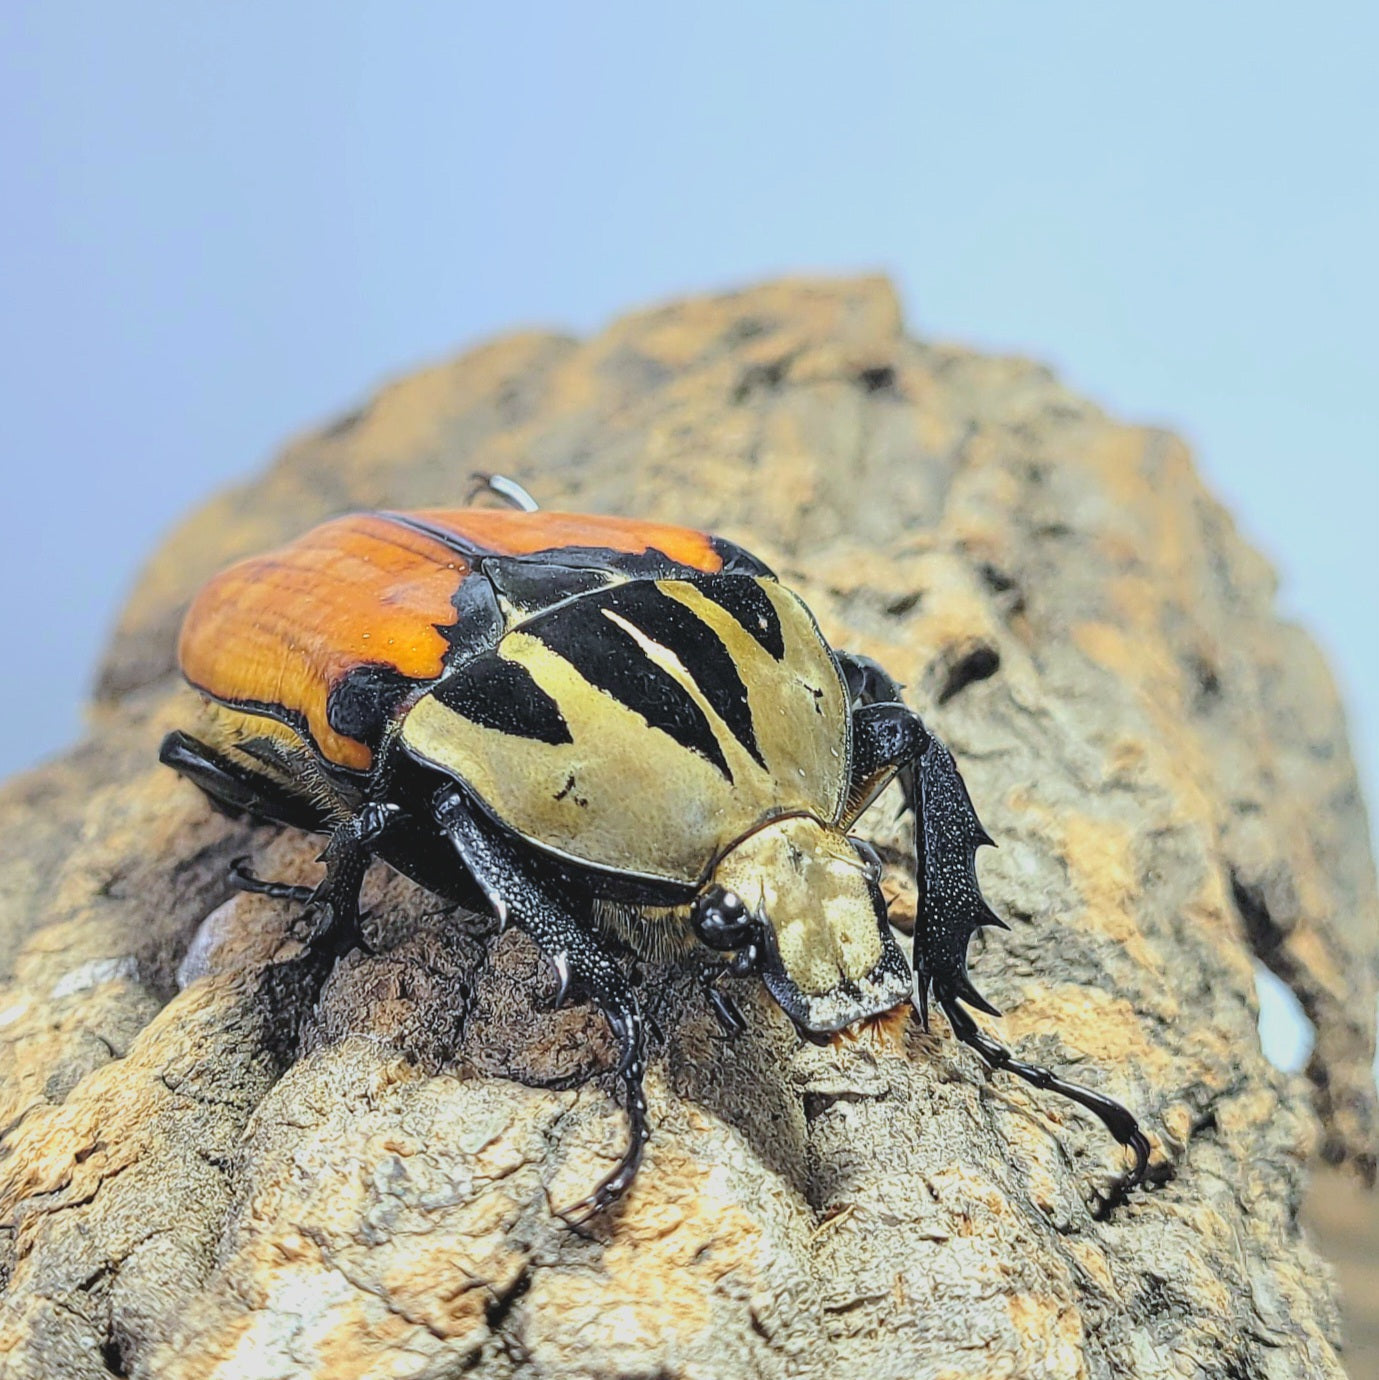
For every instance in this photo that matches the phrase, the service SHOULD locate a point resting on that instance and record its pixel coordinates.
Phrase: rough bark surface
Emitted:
(214, 1167)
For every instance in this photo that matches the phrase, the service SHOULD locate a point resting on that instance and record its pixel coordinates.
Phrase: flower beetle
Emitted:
(607, 732)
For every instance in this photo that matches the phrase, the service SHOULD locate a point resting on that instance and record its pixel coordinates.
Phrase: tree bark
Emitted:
(215, 1165)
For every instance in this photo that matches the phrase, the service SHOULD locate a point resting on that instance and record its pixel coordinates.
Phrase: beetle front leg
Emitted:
(888, 736)
(868, 681)
(1117, 1119)
(708, 972)
(520, 895)
(890, 740)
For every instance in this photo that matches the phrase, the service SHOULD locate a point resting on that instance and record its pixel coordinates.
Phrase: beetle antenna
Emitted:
(509, 490)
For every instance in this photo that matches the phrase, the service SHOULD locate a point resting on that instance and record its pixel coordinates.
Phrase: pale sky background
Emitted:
(220, 224)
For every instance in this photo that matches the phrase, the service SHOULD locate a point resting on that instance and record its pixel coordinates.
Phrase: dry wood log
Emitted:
(217, 1164)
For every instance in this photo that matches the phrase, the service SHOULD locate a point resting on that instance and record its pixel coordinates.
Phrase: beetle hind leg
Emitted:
(1117, 1119)
(236, 789)
(329, 923)
(509, 490)
(242, 879)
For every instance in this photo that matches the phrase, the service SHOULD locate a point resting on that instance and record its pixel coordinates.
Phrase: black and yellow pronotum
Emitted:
(607, 732)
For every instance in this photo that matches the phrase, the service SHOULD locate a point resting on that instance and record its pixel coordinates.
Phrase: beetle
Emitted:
(610, 733)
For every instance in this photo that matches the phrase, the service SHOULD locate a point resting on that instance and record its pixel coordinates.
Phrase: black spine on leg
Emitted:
(519, 893)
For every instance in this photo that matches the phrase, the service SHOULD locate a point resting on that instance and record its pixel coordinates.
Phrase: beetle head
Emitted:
(801, 903)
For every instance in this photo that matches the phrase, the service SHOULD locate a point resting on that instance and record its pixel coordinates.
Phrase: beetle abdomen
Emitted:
(645, 727)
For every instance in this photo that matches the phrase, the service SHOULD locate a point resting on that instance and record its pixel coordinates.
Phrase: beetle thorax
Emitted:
(640, 728)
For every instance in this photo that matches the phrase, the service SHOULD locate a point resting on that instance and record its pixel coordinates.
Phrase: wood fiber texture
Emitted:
(218, 1162)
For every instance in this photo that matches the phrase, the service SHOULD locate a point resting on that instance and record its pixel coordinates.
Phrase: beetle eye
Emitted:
(720, 919)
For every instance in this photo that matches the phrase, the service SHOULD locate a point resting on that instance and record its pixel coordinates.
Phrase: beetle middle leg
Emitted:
(519, 894)
(330, 920)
